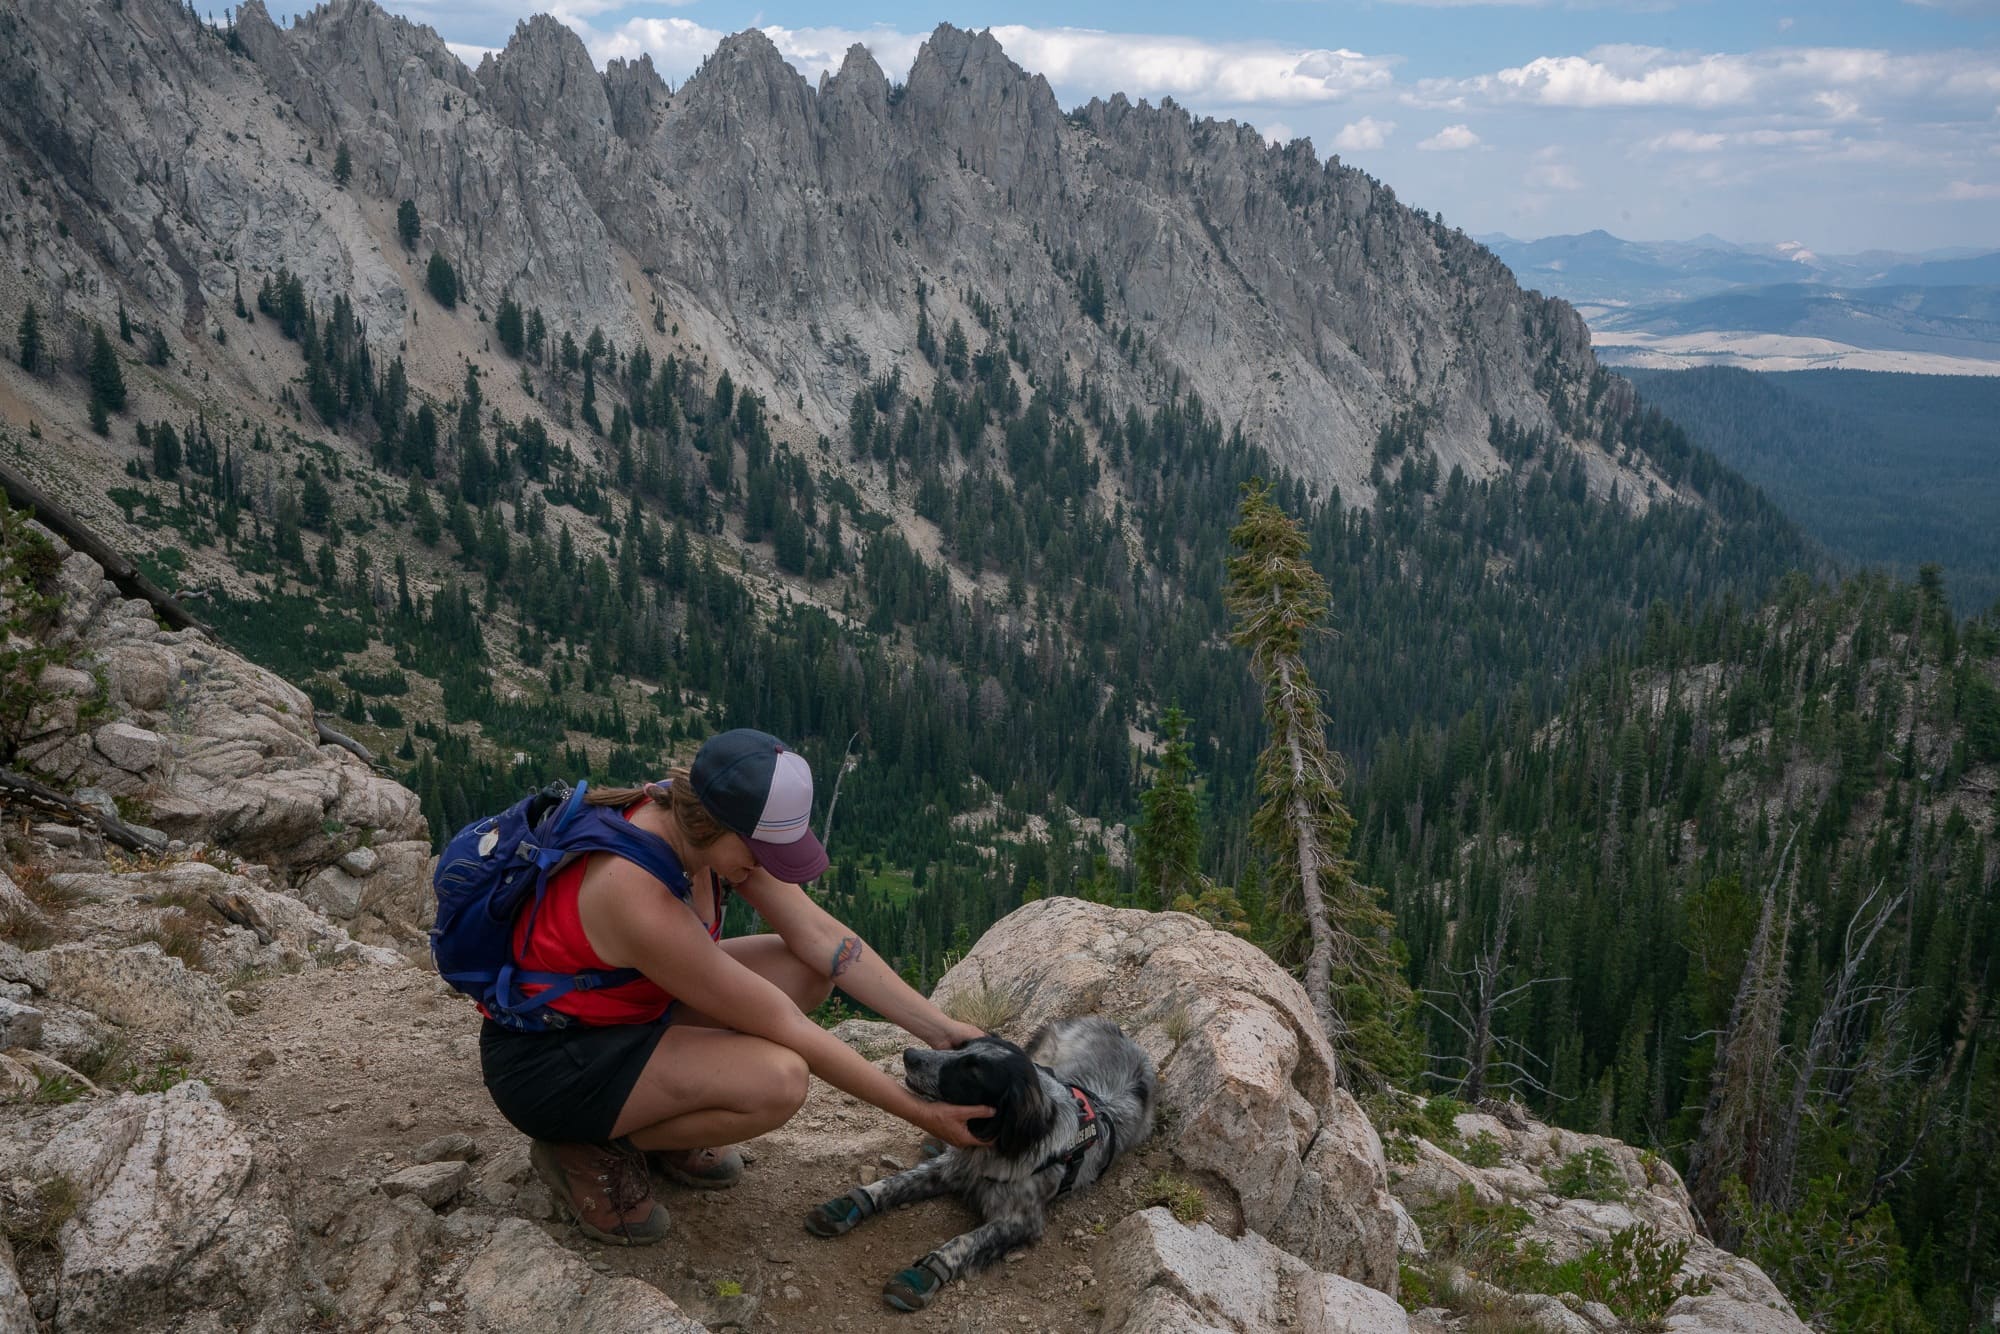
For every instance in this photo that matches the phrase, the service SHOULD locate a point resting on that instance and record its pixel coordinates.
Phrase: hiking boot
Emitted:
(604, 1188)
(702, 1169)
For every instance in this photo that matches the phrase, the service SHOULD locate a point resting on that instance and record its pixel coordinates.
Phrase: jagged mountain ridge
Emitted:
(786, 227)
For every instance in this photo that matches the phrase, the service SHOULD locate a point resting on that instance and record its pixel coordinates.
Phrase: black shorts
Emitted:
(569, 1084)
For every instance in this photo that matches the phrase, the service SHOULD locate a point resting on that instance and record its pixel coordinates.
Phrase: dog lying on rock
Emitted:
(1079, 1095)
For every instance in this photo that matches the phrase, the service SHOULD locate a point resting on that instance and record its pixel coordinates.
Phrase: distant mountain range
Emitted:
(1597, 268)
(1782, 306)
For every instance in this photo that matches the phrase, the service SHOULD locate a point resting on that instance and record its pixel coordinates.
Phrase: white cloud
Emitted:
(1085, 60)
(1715, 141)
(1823, 82)
(471, 55)
(1451, 139)
(1965, 190)
(1363, 135)
(1548, 171)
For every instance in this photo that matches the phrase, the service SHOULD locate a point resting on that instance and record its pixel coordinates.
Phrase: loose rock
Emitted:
(523, 1283)
(433, 1183)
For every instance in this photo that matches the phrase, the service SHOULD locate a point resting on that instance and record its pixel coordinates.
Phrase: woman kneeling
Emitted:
(710, 1044)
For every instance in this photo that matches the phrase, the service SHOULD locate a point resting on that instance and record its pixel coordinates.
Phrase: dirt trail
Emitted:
(413, 1074)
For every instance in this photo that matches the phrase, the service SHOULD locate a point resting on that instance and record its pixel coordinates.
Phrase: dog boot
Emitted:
(914, 1288)
(839, 1216)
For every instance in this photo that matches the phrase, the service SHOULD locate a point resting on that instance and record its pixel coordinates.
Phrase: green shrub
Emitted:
(1590, 1175)
(1637, 1275)
(29, 606)
(1441, 1119)
(1414, 1288)
(1481, 1237)
(52, 1090)
(1482, 1150)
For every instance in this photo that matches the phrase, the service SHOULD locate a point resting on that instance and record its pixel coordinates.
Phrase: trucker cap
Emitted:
(755, 786)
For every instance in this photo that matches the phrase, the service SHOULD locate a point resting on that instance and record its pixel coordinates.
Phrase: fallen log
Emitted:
(345, 742)
(52, 515)
(124, 835)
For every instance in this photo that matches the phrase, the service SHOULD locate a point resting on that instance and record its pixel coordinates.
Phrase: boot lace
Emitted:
(625, 1178)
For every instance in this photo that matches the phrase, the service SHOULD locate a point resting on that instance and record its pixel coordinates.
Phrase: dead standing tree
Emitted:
(1840, 1050)
(1736, 1121)
(1483, 1002)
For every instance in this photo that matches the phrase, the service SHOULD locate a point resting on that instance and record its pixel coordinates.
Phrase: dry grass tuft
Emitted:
(34, 1218)
(1185, 1200)
(42, 891)
(27, 929)
(993, 1008)
(1178, 1023)
(177, 934)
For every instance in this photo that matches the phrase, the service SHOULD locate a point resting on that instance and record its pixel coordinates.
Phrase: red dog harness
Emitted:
(1089, 1126)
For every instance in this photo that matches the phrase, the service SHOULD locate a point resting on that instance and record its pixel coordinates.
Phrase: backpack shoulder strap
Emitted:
(605, 829)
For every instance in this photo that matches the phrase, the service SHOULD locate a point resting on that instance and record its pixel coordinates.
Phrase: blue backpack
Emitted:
(494, 867)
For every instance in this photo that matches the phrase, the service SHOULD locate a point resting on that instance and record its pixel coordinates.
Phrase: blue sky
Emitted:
(1842, 124)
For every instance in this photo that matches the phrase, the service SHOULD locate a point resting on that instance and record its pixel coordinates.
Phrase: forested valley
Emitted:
(1885, 469)
(1733, 900)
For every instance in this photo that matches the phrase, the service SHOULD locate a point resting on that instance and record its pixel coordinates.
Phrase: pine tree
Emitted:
(30, 335)
(124, 324)
(408, 226)
(315, 502)
(343, 165)
(107, 379)
(507, 326)
(956, 350)
(166, 451)
(1351, 970)
(442, 281)
(423, 516)
(1090, 292)
(1168, 849)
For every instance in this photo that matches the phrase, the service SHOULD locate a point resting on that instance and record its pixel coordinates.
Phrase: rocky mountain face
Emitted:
(225, 1110)
(784, 227)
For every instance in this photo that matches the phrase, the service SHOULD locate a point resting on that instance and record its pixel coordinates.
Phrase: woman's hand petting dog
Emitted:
(956, 1035)
(949, 1123)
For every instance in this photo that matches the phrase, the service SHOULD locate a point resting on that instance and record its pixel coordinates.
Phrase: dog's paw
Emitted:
(834, 1218)
(913, 1288)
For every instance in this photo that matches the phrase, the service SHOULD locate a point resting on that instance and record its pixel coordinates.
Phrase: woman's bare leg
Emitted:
(707, 1084)
(768, 957)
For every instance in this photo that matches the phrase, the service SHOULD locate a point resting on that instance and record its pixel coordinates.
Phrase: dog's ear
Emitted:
(1023, 1113)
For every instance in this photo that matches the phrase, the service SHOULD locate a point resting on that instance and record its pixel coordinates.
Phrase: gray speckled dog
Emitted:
(1064, 1109)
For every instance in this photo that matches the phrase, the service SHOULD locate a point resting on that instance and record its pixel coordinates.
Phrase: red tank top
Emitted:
(558, 945)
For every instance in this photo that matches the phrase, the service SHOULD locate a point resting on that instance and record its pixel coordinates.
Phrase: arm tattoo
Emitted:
(845, 955)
